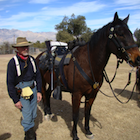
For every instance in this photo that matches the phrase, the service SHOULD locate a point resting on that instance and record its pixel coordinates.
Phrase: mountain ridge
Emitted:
(10, 35)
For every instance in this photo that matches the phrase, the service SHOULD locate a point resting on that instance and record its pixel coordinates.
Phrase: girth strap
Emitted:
(61, 65)
(93, 84)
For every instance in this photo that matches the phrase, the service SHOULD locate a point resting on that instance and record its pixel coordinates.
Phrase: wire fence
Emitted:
(10, 50)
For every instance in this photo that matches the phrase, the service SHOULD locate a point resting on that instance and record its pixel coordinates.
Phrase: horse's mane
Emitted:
(99, 34)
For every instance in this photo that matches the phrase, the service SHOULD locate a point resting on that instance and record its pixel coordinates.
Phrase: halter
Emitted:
(121, 49)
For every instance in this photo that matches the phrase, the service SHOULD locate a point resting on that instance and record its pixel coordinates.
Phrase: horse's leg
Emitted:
(88, 105)
(138, 83)
(46, 99)
(47, 107)
(44, 94)
(76, 99)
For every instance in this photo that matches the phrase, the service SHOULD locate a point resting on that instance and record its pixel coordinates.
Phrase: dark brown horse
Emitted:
(116, 38)
(138, 82)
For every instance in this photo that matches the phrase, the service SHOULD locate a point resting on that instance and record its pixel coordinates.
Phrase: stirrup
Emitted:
(57, 93)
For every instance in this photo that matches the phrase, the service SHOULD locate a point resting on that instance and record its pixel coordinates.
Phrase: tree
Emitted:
(87, 35)
(64, 36)
(63, 26)
(73, 26)
(39, 45)
(77, 26)
(137, 36)
(6, 48)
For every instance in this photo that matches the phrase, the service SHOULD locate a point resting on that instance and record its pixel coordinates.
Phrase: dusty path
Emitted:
(110, 120)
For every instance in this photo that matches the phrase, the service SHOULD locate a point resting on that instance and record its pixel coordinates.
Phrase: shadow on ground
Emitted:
(63, 109)
(127, 95)
(5, 136)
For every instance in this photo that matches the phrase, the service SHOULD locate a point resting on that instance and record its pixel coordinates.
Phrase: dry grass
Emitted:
(110, 120)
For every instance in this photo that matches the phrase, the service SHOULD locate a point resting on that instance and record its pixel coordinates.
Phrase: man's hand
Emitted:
(18, 105)
(39, 97)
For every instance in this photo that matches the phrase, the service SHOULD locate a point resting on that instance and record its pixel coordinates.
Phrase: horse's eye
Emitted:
(119, 31)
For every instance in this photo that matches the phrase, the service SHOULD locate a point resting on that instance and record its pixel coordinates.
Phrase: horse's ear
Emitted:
(116, 17)
(126, 19)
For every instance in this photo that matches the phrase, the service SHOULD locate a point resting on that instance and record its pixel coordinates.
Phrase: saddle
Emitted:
(56, 60)
(59, 61)
(46, 58)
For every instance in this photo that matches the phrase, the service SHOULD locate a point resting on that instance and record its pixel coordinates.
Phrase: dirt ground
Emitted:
(110, 120)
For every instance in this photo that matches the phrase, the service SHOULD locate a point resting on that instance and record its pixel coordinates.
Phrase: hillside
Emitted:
(11, 35)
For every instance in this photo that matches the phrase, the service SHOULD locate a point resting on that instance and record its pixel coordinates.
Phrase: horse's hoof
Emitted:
(76, 138)
(48, 117)
(91, 136)
(139, 97)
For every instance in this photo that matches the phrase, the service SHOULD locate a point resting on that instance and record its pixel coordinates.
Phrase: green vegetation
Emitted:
(71, 28)
(137, 36)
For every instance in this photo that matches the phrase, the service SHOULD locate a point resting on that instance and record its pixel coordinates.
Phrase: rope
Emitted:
(128, 83)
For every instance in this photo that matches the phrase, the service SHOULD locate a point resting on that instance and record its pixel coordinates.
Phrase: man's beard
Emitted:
(25, 54)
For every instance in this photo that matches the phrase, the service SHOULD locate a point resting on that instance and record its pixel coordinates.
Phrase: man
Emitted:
(24, 85)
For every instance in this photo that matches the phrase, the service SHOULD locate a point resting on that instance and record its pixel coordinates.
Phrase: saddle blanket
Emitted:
(44, 63)
(59, 57)
(67, 58)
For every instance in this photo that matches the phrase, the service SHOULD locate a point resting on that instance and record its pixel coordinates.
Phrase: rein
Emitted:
(128, 83)
(107, 80)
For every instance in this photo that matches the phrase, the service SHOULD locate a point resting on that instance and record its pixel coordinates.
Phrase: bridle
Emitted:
(121, 49)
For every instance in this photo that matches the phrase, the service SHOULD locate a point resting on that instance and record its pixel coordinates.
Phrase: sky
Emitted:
(43, 15)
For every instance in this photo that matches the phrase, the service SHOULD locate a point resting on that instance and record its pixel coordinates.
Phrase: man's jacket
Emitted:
(12, 77)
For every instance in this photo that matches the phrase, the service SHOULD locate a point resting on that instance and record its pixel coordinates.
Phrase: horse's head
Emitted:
(122, 43)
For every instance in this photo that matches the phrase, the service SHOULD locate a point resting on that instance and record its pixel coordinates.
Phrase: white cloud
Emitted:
(98, 23)
(40, 1)
(134, 21)
(22, 16)
(46, 16)
(30, 24)
(14, 1)
(128, 2)
(129, 7)
(78, 8)
(48, 12)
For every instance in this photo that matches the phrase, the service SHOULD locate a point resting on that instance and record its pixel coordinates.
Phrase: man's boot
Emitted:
(30, 134)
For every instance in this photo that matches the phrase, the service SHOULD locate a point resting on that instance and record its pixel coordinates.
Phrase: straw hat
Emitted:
(21, 42)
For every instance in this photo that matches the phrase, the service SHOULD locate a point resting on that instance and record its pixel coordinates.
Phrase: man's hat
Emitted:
(21, 42)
